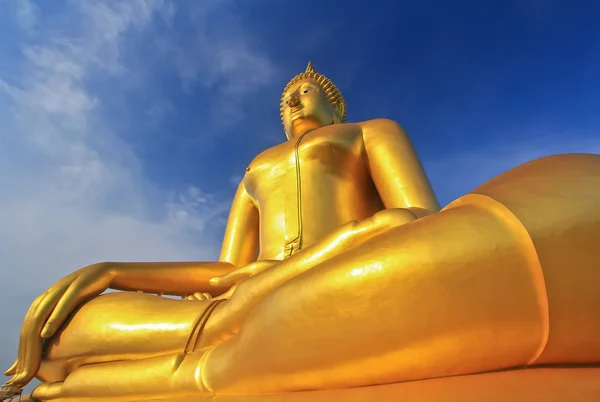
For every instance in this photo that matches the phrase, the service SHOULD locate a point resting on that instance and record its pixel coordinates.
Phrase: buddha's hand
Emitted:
(242, 273)
(200, 296)
(236, 276)
(48, 312)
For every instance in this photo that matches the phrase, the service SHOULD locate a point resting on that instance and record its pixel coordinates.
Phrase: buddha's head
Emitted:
(310, 100)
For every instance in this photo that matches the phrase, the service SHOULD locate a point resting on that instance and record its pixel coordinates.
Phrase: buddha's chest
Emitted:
(323, 154)
(301, 187)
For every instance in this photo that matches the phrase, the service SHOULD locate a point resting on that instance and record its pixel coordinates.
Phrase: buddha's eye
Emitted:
(307, 90)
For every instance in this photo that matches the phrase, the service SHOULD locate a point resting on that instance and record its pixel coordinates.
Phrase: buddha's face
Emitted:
(306, 102)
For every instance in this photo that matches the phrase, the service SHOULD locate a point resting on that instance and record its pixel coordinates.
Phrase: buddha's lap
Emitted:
(128, 323)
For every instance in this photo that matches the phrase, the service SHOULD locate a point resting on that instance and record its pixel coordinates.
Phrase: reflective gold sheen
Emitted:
(341, 280)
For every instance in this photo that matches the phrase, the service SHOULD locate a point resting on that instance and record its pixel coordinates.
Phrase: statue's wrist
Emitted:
(113, 270)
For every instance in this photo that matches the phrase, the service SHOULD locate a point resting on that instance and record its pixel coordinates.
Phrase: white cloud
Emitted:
(26, 14)
(105, 22)
(220, 55)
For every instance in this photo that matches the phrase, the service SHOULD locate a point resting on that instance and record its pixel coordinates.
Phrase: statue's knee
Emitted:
(389, 218)
(52, 371)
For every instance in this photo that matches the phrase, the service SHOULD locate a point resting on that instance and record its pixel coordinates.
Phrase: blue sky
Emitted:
(124, 125)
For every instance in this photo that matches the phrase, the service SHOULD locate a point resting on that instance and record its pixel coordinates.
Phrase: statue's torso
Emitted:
(333, 187)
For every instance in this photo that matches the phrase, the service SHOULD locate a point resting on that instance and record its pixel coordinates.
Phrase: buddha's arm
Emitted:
(184, 278)
(396, 169)
(171, 278)
(240, 245)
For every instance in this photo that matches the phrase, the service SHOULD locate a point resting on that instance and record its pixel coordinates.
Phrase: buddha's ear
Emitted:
(338, 113)
(337, 118)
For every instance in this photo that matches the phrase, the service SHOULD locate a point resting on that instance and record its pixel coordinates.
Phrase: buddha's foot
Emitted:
(162, 376)
(526, 385)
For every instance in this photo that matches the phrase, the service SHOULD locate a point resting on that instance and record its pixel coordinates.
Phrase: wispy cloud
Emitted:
(26, 14)
(220, 55)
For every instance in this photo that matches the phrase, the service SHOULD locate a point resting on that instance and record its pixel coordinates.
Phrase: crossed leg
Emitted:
(118, 327)
(149, 333)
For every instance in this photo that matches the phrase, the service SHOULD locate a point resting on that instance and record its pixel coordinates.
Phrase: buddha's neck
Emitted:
(303, 127)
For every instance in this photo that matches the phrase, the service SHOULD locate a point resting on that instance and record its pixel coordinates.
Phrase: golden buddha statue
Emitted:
(340, 279)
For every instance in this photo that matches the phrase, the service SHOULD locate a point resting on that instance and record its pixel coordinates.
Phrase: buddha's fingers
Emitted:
(30, 342)
(22, 378)
(230, 278)
(227, 295)
(88, 284)
(241, 273)
(30, 345)
(199, 296)
(24, 341)
(47, 307)
(12, 369)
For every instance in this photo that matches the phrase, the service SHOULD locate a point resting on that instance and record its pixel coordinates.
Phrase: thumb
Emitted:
(231, 277)
(227, 295)
(244, 272)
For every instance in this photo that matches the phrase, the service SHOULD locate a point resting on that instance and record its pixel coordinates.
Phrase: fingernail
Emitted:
(214, 281)
(46, 331)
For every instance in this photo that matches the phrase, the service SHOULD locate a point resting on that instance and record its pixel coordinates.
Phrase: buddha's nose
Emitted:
(294, 102)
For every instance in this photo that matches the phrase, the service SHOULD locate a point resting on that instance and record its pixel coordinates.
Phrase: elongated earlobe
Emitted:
(336, 118)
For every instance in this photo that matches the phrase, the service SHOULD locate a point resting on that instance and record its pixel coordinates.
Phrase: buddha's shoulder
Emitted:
(377, 123)
(376, 130)
(270, 155)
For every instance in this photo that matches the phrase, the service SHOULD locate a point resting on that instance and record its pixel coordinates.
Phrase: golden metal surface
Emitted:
(338, 270)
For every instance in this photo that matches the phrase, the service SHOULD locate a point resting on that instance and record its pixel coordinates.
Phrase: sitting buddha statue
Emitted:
(341, 279)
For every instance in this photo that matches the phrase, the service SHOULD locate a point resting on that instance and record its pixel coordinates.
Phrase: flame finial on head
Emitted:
(333, 93)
